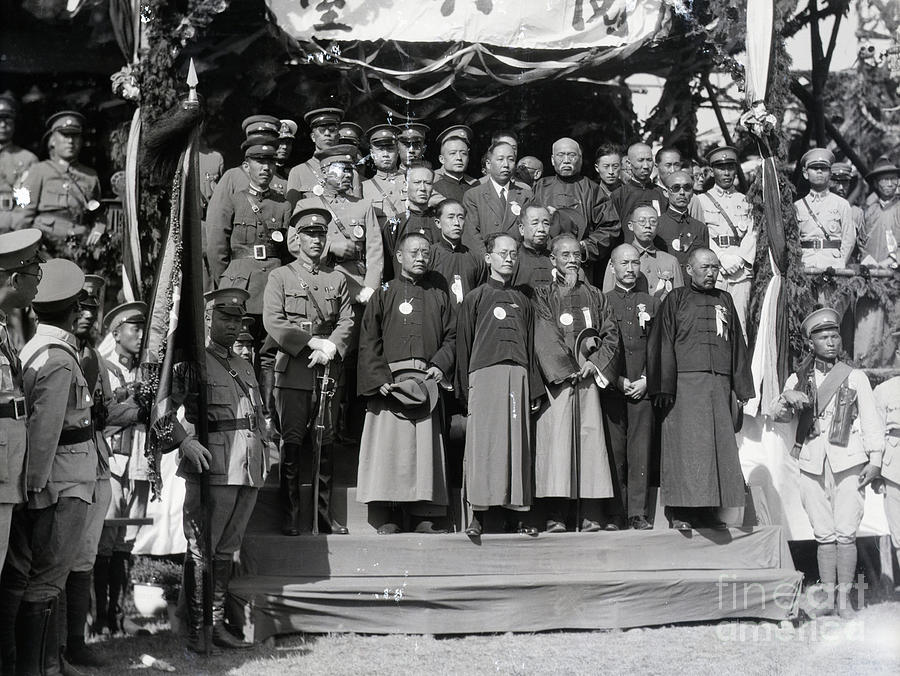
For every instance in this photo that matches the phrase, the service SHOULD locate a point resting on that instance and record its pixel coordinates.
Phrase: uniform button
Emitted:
(315, 288)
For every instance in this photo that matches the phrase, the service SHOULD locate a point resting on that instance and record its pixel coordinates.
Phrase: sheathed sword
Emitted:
(326, 391)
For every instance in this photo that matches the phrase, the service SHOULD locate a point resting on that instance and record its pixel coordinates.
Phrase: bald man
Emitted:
(579, 203)
(679, 233)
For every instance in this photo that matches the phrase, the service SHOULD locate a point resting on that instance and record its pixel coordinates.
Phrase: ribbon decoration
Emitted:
(721, 322)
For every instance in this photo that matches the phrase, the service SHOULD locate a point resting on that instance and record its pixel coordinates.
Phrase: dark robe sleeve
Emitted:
(605, 358)
(553, 356)
(535, 381)
(372, 371)
(444, 357)
(741, 377)
(662, 371)
(465, 333)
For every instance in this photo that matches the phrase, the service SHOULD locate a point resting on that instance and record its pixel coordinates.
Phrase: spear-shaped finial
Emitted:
(192, 83)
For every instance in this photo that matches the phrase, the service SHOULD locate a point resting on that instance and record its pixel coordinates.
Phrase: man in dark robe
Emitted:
(637, 189)
(459, 268)
(608, 165)
(628, 412)
(417, 217)
(408, 333)
(698, 370)
(497, 381)
(581, 199)
(451, 180)
(565, 471)
(534, 266)
(678, 232)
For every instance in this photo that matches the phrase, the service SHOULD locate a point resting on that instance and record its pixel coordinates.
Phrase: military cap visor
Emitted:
(841, 170)
(93, 288)
(287, 131)
(460, 131)
(382, 134)
(265, 124)
(819, 320)
(260, 152)
(350, 130)
(20, 248)
(231, 301)
(323, 116)
(60, 286)
(817, 157)
(722, 155)
(312, 219)
(66, 122)
(134, 312)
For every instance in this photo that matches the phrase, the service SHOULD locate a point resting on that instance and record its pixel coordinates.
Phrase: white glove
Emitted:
(364, 294)
(329, 348)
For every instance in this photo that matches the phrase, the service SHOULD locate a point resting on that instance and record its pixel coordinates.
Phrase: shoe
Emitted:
(427, 528)
(555, 527)
(389, 529)
(198, 645)
(474, 530)
(290, 530)
(715, 524)
(678, 524)
(590, 526)
(611, 526)
(530, 531)
(221, 636)
(84, 656)
(639, 523)
(225, 639)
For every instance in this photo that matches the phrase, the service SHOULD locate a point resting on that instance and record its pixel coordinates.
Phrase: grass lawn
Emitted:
(869, 644)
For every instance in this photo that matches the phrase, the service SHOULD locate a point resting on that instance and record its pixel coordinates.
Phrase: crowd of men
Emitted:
(591, 334)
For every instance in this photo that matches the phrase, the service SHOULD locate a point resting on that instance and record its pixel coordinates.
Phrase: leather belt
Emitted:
(15, 409)
(820, 244)
(76, 435)
(259, 252)
(727, 240)
(233, 424)
(7, 201)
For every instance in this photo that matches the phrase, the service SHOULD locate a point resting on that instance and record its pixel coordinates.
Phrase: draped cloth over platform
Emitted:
(498, 438)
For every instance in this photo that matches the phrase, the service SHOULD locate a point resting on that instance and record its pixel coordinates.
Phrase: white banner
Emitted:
(525, 24)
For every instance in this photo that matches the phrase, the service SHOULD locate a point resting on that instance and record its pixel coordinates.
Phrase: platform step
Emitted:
(453, 604)
(456, 554)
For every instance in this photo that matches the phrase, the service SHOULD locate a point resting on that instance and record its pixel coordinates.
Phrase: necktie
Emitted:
(503, 195)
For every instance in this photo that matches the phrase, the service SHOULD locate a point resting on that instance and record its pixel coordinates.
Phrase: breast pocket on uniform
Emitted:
(296, 302)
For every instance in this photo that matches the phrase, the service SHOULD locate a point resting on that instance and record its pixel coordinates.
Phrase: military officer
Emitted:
(350, 132)
(387, 188)
(412, 143)
(235, 459)
(284, 146)
(60, 195)
(303, 179)
(307, 312)
(246, 236)
(14, 161)
(827, 232)
(60, 475)
(451, 181)
(354, 243)
(732, 237)
(843, 183)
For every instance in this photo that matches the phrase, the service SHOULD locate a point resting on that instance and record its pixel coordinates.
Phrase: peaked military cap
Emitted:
(288, 130)
(382, 134)
(350, 132)
(320, 116)
(60, 285)
(93, 289)
(722, 155)
(311, 219)
(133, 312)
(817, 157)
(260, 151)
(20, 248)
(343, 152)
(460, 131)
(817, 320)
(261, 124)
(66, 122)
(231, 301)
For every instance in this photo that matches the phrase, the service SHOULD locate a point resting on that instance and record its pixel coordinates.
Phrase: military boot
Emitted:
(221, 636)
(290, 488)
(192, 586)
(327, 523)
(33, 624)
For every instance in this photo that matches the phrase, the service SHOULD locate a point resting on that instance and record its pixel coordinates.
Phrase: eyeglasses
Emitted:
(646, 221)
(681, 187)
(512, 255)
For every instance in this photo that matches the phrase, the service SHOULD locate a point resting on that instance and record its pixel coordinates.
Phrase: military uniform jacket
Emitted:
(59, 400)
(95, 371)
(211, 167)
(825, 219)
(561, 313)
(353, 219)
(634, 312)
(303, 300)
(234, 180)
(12, 431)
(125, 435)
(887, 401)
(697, 331)
(55, 195)
(486, 214)
(303, 179)
(387, 193)
(660, 272)
(866, 434)
(448, 187)
(14, 162)
(730, 228)
(246, 240)
(405, 320)
(460, 268)
(679, 234)
(233, 401)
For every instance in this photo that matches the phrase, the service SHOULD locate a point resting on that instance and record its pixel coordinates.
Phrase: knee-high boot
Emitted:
(221, 636)
(33, 641)
(826, 556)
(10, 600)
(290, 488)
(101, 591)
(118, 583)
(846, 572)
(78, 602)
(327, 523)
(192, 586)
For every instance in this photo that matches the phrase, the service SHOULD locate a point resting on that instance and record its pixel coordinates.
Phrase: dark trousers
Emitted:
(43, 546)
(230, 508)
(630, 429)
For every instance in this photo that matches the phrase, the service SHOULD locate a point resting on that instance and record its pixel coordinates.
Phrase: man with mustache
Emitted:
(307, 179)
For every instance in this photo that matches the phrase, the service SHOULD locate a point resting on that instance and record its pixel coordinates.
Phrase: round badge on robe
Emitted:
(515, 208)
(499, 313)
(676, 244)
(566, 319)
(318, 190)
(277, 236)
(359, 232)
(405, 308)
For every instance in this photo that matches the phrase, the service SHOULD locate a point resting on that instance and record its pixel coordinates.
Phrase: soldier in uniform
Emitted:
(460, 268)
(303, 179)
(129, 470)
(284, 147)
(307, 312)
(350, 132)
(451, 181)
(411, 143)
(235, 459)
(246, 236)
(838, 455)
(387, 188)
(843, 183)
(354, 242)
(60, 475)
(827, 232)
(61, 196)
(14, 161)
(732, 237)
